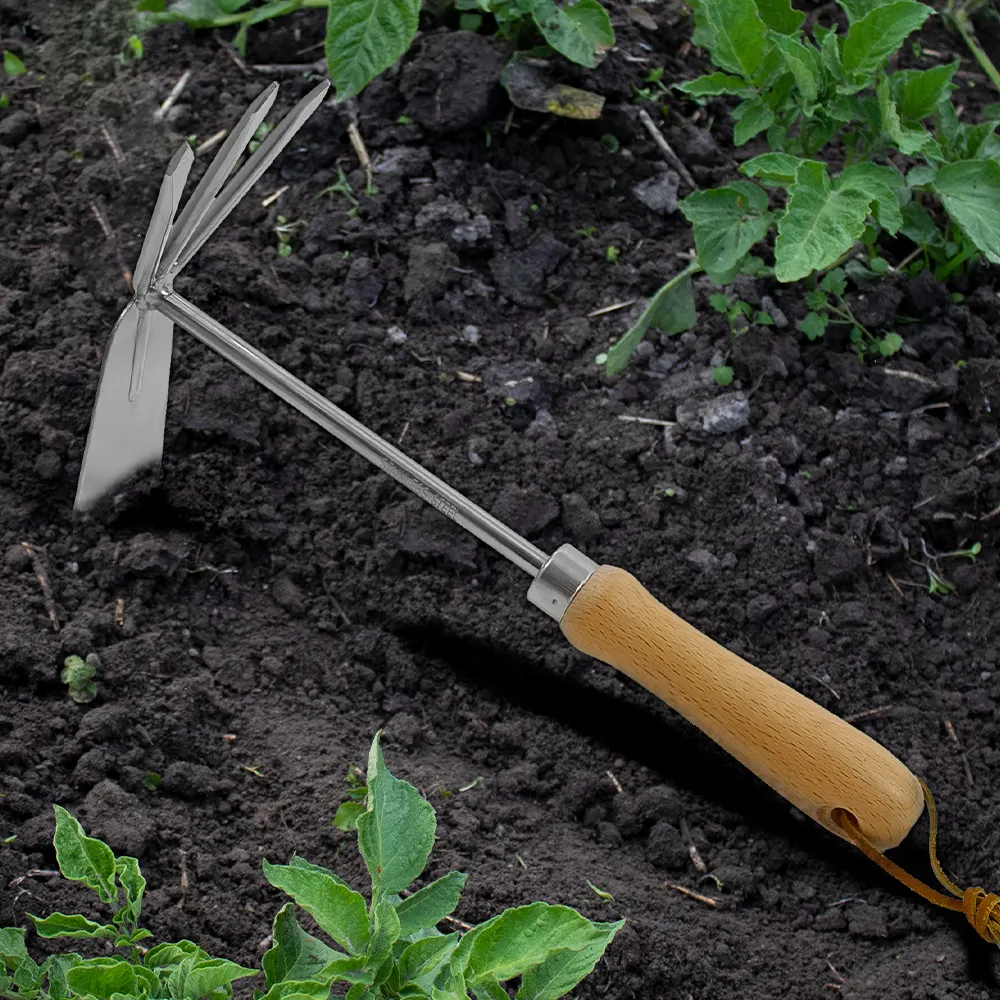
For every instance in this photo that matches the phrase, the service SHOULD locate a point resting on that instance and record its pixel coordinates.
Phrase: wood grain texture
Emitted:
(807, 754)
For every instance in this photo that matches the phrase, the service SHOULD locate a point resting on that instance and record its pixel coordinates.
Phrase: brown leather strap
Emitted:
(981, 908)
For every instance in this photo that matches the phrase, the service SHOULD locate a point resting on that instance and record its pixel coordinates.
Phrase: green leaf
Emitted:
(911, 139)
(772, 169)
(879, 34)
(347, 814)
(195, 978)
(918, 92)
(171, 953)
(71, 925)
(919, 226)
(349, 968)
(714, 85)
(857, 9)
(735, 36)
(563, 969)
(55, 968)
(723, 375)
(834, 282)
(889, 344)
(420, 961)
(752, 117)
(814, 325)
(518, 939)
(385, 932)
(780, 16)
(880, 185)
(396, 833)
(829, 52)
(819, 225)
(671, 310)
(103, 977)
(12, 948)
(12, 66)
(298, 862)
(338, 910)
(726, 222)
(719, 302)
(805, 65)
(293, 989)
(294, 955)
(428, 906)
(580, 31)
(132, 881)
(84, 859)
(366, 37)
(970, 193)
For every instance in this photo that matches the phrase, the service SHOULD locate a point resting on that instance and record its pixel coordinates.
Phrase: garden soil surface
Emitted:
(267, 601)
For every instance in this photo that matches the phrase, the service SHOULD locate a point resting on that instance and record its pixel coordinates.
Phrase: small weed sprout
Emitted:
(79, 676)
(285, 231)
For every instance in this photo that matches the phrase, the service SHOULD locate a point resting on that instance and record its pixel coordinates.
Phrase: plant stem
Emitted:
(244, 17)
(958, 15)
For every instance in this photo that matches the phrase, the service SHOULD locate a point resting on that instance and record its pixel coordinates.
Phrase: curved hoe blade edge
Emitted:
(126, 436)
(250, 173)
(215, 176)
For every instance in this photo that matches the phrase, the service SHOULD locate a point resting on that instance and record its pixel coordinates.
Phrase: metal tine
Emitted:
(218, 171)
(163, 213)
(151, 254)
(249, 174)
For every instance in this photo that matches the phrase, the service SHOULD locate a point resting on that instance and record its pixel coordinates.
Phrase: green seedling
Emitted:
(4, 100)
(79, 677)
(602, 894)
(264, 129)
(347, 814)
(12, 65)
(581, 32)
(133, 50)
(611, 254)
(655, 88)
(936, 581)
(587, 232)
(285, 231)
(827, 305)
(342, 186)
(807, 93)
(151, 781)
(739, 315)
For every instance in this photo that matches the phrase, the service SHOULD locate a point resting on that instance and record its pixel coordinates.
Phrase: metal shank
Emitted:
(321, 411)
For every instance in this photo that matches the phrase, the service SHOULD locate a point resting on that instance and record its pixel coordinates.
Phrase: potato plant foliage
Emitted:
(837, 123)
(385, 946)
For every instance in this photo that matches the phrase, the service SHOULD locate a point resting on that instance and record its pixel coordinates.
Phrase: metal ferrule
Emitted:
(557, 582)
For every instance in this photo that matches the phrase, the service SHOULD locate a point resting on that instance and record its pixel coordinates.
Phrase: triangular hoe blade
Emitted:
(126, 430)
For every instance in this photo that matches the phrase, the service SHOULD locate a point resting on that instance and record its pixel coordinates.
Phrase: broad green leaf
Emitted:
(834, 282)
(12, 66)
(857, 9)
(970, 193)
(563, 969)
(879, 34)
(55, 968)
(298, 862)
(366, 37)
(889, 344)
(84, 859)
(488, 989)
(805, 65)
(348, 968)
(195, 978)
(134, 884)
(780, 16)
(71, 925)
(880, 184)
(671, 310)
(294, 955)
(919, 226)
(752, 117)
(338, 910)
(814, 325)
(579, 31)
(829, 52)
(427, 907)
(819, 225)
(726, 223)
(911, 139)
(520, 938)
(702, 34)
(385, 933)
(102, 977)
(396, 833)
(714, 85)
(172, 953)
(419, 961)
(346, 817)
(14, 956)
(918, 92)
(293, 989)
(772, 169)
(738, 37)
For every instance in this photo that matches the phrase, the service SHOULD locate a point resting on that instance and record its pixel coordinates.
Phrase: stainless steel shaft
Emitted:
(355, 435)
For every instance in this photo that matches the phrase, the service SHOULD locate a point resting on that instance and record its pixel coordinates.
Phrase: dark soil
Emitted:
(269, 601)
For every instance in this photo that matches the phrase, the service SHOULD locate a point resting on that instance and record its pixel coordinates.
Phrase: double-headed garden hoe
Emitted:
(833, 772)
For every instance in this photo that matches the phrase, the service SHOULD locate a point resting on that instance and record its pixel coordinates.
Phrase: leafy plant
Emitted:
(285, 231)
(12, 65)
(79, 676)
(346, 817)
(365, 37)
(810, 93)
(386, 947)
(739, 315)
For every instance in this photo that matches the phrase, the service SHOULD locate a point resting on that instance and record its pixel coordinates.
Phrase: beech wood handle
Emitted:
(816, 760)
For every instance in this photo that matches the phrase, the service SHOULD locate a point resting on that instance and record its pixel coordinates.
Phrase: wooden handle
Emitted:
(816, 760)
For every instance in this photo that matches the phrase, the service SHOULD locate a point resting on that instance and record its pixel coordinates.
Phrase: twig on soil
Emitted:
(120, 612)
(870, 714)
(614, 307)
(361, 151)
(983, 455)
(615, 782)
(668, 154)
(211, 142)
(273, 197)
(173, 95)
(183, 880)
(829, 687)
(102, 222)
(646, 420)
(112, 145)
(312, 67)
(707, 900)
(696, 858)
(42, 576)
(42, 873)
(895, 586)
(965, 759)
(232, 53)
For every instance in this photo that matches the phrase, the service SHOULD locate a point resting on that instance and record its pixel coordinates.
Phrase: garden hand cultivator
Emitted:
(831, 771)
